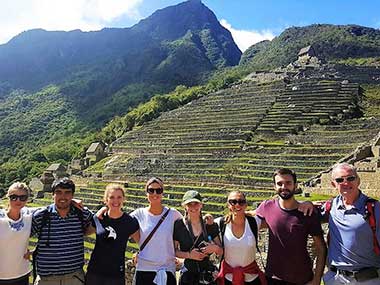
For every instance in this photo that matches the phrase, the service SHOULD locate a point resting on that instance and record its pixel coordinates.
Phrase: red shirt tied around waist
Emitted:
(238, 273)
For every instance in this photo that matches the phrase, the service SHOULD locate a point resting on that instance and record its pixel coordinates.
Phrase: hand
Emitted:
(77, 203)
(99, 214)
(208, 249)
(28, 254)
(306, 208)
(197, 255)
(208, 219)
(134, 258)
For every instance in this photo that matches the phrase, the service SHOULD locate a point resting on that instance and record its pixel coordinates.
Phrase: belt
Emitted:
(361, 274)
(343, 272)
(76, 274)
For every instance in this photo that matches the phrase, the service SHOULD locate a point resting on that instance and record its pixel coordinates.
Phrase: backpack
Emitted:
(252, 224)
(46, 221)
(369, 216)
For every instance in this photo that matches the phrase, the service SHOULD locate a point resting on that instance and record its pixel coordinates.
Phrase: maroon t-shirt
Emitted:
(288, 258)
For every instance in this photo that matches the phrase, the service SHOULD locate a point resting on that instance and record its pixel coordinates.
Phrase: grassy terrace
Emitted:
(208, 141)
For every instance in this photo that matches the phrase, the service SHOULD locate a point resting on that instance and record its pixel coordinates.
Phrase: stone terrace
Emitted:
(236, 137)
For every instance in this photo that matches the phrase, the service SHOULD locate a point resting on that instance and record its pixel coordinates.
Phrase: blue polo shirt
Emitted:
(351, 238)
(65, 251)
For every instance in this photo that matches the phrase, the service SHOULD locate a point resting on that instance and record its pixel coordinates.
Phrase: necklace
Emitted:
(16, 225)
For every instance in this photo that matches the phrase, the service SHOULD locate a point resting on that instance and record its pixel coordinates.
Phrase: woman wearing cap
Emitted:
(15, 226)
(107, 262)
(156, 261)
(194, 242)
(238, 238)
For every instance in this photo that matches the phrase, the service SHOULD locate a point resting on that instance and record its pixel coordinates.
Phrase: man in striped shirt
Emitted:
(60, 228)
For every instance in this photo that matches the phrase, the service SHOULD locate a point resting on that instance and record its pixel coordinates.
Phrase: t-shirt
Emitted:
(14, 237)
(60, 245)
(108, 257)
(288, 258)
(186, 242)
(159, 251)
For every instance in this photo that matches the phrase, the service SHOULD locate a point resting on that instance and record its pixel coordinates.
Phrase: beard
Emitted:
(286, 195)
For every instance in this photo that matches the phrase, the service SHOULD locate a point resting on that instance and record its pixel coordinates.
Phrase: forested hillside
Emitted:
(58, 88)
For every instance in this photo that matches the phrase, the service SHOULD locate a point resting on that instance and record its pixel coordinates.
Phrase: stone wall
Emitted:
(370, 184)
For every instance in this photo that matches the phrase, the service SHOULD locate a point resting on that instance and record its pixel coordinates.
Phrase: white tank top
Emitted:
(240, 251)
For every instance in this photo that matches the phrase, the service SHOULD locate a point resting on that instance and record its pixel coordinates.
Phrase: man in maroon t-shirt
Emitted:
(288, 261)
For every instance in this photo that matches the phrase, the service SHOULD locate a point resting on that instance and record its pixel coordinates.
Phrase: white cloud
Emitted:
(245, 38)
(20, 15)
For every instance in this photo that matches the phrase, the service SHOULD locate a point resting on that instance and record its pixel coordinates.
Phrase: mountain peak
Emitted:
(174, 21)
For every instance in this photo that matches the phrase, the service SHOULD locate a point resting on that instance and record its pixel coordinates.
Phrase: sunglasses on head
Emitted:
(241, 202)
(22, 198)
(157, 190)
(348, 179)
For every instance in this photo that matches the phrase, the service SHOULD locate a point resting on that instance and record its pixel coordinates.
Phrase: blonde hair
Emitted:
(228, 216)
(111, 187)
(18, 186)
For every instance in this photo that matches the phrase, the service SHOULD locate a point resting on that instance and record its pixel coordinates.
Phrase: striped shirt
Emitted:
(61, 250)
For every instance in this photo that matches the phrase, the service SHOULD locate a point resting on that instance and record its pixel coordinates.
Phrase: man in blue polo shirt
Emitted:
(60, 228)
(351, 255)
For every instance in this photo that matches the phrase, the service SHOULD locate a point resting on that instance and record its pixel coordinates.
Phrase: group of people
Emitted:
(164, 234)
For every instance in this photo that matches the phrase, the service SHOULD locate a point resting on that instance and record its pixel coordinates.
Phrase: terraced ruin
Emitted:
(235, 138)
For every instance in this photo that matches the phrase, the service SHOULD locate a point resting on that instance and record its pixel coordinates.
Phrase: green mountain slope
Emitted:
(37, 57)
(330, 42)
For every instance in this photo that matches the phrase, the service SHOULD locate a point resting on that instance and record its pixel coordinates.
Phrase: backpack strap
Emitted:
(222, 229)
(79, 213)
(371, 218)
(253, 225)
(328, 206)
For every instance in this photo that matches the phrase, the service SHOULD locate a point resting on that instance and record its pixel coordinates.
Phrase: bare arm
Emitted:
(89, 230)
(321, 251)
(136, 236)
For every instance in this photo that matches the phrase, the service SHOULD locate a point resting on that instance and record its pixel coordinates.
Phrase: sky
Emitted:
(249, 21)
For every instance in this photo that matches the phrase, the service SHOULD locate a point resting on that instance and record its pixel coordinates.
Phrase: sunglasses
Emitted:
(157, 190)
(241, 202)
(22, 198)
(348, 179)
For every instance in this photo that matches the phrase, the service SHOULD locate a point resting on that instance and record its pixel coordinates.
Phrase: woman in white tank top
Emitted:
(239, 265)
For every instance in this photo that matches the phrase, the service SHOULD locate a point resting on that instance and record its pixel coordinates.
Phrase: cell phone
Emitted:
(202, 244)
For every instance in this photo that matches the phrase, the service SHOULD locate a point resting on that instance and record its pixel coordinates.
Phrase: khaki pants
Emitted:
(75, 278)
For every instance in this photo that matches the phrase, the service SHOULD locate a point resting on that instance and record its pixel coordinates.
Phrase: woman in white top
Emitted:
(238, 265)
(156, 262)
(15, 226)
